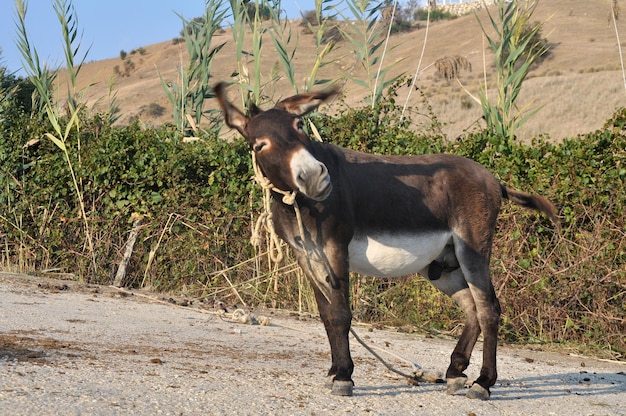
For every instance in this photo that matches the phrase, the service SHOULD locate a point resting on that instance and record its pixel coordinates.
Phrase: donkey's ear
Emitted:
(302, 104)
(233, 117)
(253, 110)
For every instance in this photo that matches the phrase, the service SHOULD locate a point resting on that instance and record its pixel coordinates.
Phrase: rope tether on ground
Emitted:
(239, 316)
(418, 374)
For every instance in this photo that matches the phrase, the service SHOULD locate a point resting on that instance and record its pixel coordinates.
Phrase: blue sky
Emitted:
(108, 26)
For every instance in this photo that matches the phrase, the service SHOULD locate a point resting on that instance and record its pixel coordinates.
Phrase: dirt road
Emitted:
(72, 349)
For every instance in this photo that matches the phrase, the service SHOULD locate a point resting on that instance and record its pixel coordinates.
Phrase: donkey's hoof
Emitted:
(329, 382)
(478, 392)
(342, 388)
(455, 384)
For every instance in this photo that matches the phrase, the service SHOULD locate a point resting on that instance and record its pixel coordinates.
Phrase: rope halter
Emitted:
(265, 219)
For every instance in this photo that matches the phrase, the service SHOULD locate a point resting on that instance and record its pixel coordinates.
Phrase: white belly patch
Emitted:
(392, 255)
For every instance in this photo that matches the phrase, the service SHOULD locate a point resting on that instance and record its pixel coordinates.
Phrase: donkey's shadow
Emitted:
(528, 388)
(560, 385)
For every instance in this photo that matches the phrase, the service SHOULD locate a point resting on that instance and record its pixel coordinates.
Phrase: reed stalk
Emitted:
(43, 80)
(382, 56)
(189, 96)
(286, 43)
(419, 65)
(324, 16)
(615, 12)
(238, 30)
(514, 54)
(366, 38)
(249, 82)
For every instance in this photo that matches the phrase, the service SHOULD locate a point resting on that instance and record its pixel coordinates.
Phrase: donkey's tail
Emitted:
(536, 202)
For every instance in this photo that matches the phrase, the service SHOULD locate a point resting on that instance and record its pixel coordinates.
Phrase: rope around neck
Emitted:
(265, 219)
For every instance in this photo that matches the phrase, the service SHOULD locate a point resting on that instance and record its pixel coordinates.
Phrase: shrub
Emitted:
(422, 14)
(124, 171)
(256, 10)
(129, 67)
(309, 18)
(155, 110)
(193, 27)
(140, 51)
(332, 34)
(15, 93)
(380, 130)
(400, 26)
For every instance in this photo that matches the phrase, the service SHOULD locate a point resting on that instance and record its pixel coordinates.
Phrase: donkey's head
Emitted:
(281, 146)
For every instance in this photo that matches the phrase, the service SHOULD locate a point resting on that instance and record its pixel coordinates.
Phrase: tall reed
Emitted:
(366, 37)
(615, 12)
(515, 52)
(43, 80)
(324, 16)
(248, 15)
(189, 96)
(285, 40)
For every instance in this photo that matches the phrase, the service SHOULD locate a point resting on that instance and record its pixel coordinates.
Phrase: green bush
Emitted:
(380, 129)
(123, 171)
(422, 14)
(15, 94)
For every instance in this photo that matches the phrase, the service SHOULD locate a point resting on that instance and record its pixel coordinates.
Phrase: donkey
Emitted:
(382, 216)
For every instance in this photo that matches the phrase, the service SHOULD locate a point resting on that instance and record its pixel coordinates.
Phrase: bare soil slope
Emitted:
(580, 85)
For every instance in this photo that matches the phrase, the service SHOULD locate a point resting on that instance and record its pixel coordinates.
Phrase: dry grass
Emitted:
(580, 85)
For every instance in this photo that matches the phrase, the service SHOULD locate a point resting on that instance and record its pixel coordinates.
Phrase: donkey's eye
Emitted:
(300, 124)
(259, 146)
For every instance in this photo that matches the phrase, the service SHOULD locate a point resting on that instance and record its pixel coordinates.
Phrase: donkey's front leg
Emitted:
(336, 316)
(330, 284)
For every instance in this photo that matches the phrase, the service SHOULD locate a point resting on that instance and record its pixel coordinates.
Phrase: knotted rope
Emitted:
(265, 219)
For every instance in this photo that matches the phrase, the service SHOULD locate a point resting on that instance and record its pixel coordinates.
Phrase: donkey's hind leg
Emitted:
(454, 285)
(486, 311)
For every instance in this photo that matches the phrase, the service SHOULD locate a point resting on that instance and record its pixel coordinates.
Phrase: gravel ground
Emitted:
(73, 349)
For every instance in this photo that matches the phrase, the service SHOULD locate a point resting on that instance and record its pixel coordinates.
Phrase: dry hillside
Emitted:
(580, 85)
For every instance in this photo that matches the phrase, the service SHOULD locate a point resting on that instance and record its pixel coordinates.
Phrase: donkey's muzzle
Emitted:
(311, 176)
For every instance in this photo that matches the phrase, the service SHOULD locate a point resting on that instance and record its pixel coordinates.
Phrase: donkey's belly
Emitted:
(391, 255)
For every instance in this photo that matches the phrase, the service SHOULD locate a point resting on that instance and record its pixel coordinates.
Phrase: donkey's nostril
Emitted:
(323, 169)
